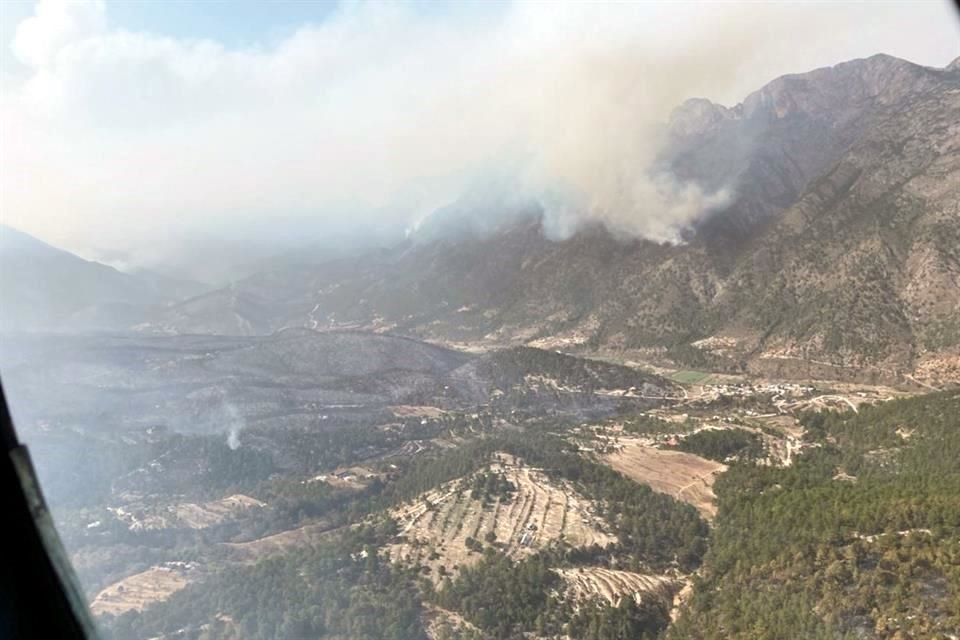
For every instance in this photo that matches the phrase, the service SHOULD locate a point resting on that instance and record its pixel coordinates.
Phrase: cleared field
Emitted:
(689, 377)
(137, 591)
(682, 475)
(207, 514)
(354, 477)
(435, 527)
(190, 515)
(416, 411)
(612, 585)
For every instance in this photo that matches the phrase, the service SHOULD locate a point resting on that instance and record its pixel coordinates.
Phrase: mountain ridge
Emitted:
(837, 257)
(46, 289)
(822, 160)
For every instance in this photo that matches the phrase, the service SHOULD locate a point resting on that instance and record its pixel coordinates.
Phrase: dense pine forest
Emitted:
(858, 539)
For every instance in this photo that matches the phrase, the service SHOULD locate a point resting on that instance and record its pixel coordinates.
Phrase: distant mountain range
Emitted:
(43, 288)
(840, 254)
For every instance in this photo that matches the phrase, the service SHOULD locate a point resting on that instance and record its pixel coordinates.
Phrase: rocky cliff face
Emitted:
(839, 253)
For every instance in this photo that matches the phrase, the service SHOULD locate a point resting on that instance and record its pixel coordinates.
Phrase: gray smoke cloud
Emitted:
(382, 113)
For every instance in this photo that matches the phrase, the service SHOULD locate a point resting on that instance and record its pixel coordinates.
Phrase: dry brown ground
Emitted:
(684, 476)
(186, 514)
(434, 527)
(137, 591)
(160, 582)
(207, 514)
(417, 411)
(680, 599)
(612, 585)
(353, 477)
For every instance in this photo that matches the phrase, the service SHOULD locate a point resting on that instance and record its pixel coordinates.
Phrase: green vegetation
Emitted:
(342, 588)
(689, 376)
(508, 367)
(502, 597)
(643, 424)
(509, 599)
(684, 354)
(505, 599)
(338, 589)
(721, 444)
(487, 486)
(860, 538)
(627, 621)
(804, 552)
(655, 531)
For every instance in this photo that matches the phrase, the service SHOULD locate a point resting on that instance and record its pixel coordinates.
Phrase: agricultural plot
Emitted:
(438, 529)
(354, 477)
(689, 377)
(610, 585)
(207, 514)
(189, 515)
(416, 411)
(137, 591)
(684, 476)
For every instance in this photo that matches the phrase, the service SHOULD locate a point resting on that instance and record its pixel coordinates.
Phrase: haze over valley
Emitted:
(506, 332)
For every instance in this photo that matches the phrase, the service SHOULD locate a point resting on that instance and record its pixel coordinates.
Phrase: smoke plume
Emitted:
(382, 112)
(233, 439)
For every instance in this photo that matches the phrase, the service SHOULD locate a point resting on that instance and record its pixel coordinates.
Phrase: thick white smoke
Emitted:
(119, 139)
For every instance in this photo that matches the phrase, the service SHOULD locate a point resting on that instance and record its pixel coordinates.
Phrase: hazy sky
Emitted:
(134, 125)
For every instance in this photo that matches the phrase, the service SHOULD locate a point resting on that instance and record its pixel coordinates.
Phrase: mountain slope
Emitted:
(839, 249)
(45, 288)
(865, 267)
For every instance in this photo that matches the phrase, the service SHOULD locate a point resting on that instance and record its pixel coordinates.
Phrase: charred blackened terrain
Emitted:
(221, 384)
(261, 443)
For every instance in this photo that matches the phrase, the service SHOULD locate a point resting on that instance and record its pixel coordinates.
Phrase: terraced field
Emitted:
(207, 514)
(137, 591)
(434, 528)
(684, 476)
(191, 515)
(611, 585)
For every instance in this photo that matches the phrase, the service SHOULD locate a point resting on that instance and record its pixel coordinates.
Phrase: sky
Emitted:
(134, 128)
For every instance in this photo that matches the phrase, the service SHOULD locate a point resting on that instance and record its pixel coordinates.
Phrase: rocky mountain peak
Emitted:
(833, 94)
(879, 79)
(697, 116)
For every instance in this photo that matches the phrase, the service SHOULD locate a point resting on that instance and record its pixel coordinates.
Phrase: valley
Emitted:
(607, 477)
(516, 420)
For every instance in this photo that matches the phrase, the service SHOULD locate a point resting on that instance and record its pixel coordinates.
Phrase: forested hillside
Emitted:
(344, 583)
(859, 539)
